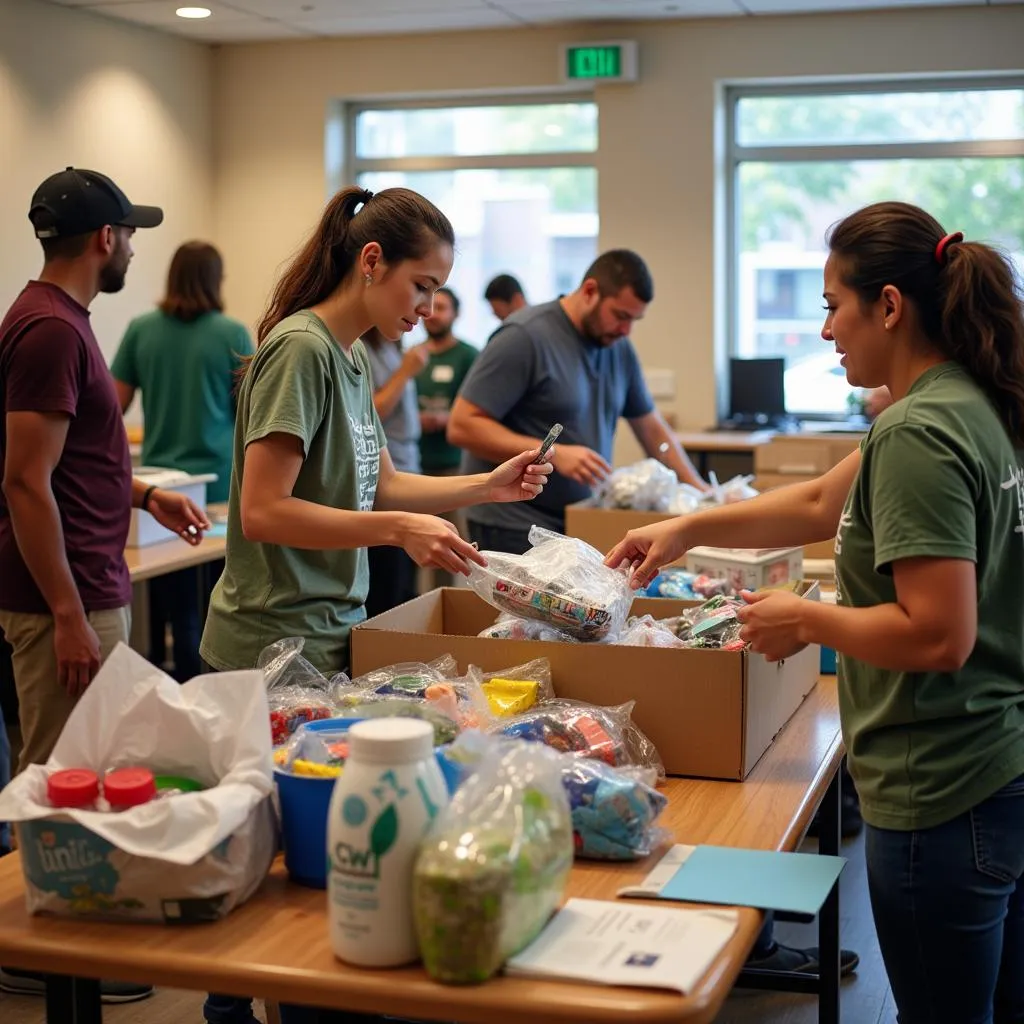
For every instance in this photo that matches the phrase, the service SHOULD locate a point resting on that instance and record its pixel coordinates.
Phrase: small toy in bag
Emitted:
(561, 581)
(494, 865)
(510, 691)
(406, 680)
(296, 691)
(316, 753)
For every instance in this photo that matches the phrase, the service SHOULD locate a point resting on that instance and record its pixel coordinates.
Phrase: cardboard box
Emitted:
(710, 713)
(144, 529)
(747, 569)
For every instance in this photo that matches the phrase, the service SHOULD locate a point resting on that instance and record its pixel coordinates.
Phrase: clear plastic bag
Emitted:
(405, 680)
(560, 581)
(511, 691)
(296, 691)
(613, 810)
(320, 753)
(711, 626)
(647, 486)
(513, 627)
(647, 631)
(494, 865)
(588, 731)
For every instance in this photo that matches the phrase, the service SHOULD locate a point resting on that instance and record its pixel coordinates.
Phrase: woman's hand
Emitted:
(518, 479)
(773, 623)
(171, 509)
(647, 550)
(434, 543)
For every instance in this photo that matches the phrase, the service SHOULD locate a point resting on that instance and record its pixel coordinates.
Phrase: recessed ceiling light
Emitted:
(193, 12)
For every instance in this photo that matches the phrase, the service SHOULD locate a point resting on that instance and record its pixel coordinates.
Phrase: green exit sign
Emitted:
(600, 62)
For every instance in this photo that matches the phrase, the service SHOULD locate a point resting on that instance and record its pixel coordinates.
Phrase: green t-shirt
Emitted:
(300, 382)
(437, 385)
(939, 478)
(186, 373)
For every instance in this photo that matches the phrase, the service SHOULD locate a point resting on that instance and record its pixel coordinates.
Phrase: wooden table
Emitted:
(732, 448)
(276, 945)
(170, 556)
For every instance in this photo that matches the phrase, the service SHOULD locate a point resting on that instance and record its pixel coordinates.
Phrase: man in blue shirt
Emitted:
(571, 362)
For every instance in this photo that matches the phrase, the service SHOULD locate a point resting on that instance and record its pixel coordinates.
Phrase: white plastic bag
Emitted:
(647, 486)
(193, 856)
(561, 581)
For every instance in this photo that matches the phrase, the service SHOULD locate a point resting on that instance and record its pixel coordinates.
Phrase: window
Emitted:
(517, 181)
(802, 158)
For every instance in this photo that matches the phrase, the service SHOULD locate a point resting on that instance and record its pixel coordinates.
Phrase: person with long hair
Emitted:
(183, 357)
(928, 518)
(312, 484)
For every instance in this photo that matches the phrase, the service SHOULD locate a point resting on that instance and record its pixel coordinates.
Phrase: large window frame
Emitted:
(737, 154)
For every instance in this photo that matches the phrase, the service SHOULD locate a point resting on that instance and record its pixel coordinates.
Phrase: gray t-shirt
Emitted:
(402, 424)
(538, 370)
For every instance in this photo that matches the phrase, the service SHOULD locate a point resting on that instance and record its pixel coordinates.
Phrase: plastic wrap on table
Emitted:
(296, 691)
(614, 810)
(514, 627)
(647, 631)
(561, 581)
(646, 486)
(494, 865)
(586, 730)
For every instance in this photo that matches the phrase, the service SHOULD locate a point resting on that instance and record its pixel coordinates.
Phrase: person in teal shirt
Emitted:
(183, 357)
(312, 484)
(928, 520)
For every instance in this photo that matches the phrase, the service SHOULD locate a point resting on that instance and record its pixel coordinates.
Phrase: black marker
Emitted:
(548, 441)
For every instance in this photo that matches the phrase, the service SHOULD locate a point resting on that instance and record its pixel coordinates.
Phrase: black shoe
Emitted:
(850, 822)
(803, 961)
(33, 983)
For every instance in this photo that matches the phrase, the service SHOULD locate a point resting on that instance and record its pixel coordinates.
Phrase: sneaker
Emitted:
(802, 961)
(33, 983)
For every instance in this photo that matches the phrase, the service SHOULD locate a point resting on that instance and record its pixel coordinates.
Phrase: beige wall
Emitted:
(657, 173)
(76, 88)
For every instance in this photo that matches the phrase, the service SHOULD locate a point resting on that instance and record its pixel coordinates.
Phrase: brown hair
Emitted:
(965, 293)
(193, 282)
(401, 221)
(621, 268)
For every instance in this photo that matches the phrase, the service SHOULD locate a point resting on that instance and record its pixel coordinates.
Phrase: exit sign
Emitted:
(600, 62)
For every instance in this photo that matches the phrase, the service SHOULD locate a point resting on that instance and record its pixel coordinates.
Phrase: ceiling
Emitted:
(236, 21)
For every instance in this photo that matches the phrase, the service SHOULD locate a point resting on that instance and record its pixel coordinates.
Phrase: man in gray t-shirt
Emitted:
(569, 362)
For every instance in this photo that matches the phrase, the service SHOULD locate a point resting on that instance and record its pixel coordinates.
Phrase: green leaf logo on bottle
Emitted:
(365, 862)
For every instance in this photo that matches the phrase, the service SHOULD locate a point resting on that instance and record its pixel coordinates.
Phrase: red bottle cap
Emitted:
(73, 787)
(129, 787)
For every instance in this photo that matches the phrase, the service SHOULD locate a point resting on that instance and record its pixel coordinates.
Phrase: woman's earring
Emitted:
(369, 280)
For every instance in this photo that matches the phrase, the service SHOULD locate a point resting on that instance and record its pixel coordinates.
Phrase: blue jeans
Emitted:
(948, 904)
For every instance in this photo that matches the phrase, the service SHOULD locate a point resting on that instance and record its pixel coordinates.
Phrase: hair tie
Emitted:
(944, 244)
(368, 195)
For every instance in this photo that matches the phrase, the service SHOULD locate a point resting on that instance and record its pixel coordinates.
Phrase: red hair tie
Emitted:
(944, 244)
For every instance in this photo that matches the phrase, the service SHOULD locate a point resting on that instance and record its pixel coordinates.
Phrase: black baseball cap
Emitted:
(76, 201)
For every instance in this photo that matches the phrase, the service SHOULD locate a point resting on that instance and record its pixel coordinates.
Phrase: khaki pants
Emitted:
(44, 705)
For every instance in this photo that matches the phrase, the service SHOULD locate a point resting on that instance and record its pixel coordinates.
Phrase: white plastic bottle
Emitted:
(383, 803)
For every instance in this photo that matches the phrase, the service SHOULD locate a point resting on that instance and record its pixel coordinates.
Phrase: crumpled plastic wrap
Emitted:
(711, 626)
(647, 486)
(647, 631)
(494, 865)
(296, 691)
(586, 730)
(561, 581)
(513, 627)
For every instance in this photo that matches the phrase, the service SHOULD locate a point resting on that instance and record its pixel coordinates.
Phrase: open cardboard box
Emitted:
(710, 713)
(603, 528)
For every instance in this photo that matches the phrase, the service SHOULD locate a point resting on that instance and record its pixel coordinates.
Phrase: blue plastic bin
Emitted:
(828, 661)
(305, 806)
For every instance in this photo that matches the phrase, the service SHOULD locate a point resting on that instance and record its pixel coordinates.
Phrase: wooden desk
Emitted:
(728, 452)
(276, 945)
(171, 555)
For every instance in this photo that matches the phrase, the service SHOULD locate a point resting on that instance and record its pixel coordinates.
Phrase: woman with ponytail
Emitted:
(929, 623)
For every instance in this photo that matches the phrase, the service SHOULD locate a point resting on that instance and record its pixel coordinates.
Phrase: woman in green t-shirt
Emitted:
(929, 623)
(312, 484)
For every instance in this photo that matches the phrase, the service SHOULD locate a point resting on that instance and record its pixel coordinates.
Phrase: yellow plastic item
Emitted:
(314, 769)
(510, 696)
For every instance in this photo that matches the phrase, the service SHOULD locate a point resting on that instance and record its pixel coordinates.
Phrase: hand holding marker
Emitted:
(546, 444)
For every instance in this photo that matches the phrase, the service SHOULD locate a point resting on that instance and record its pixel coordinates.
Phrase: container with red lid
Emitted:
(76, 788)
(129, 787)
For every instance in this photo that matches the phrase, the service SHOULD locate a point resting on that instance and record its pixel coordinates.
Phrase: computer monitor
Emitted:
(757, 388)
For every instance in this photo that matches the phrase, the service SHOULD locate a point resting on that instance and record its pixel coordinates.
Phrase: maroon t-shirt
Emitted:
(50, 362)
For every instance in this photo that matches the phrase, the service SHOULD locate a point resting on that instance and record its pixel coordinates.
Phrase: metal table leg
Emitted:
(72, 1000)
(828, 920)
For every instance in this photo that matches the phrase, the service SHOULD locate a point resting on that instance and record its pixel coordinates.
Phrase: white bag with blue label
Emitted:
(191, 856)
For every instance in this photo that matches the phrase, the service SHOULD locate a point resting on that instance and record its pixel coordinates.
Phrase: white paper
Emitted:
(212, 729)
(610, 943)
(663, 871)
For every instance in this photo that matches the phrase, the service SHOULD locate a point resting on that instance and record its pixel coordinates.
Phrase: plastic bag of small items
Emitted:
(647, 486)
(494, 865)
(510, 691)
(587, 731)
(647, 631)
(711, 626)
(561, 581)
(512, 627)
(296, 691)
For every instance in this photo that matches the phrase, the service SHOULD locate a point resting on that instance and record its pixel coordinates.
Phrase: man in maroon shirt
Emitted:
(67, 488)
